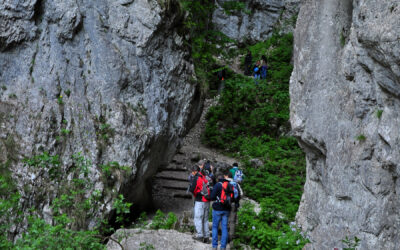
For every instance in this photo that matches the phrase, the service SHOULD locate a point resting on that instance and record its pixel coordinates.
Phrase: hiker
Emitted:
(192, 174)
(256, 70)
(236, 173)
(201, 192)
(237, 194)
(209, 173)
(222, 194)
(248, 61)
(221, 77)
(264, 68)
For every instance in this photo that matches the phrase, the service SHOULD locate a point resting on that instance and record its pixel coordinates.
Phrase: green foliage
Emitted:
(46, 163)
(60, 100)
(9, 209)
(12, 96)
(65, 132)
(250, 122)
(121, 208)
(76, 202)
(160, 221)
(267, 230)
(112, 166)
(205, 42)
(248, 110)
(105, 132)
(278, 51)
(351, 244)
(41, 235)
(146, 246)
(67, 92)
(230, 7)
(342, 39)
(361, 138)
(142, 220)
(379, 113)
(12, 148)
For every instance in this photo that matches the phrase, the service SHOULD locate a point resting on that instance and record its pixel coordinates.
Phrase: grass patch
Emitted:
(379, 113)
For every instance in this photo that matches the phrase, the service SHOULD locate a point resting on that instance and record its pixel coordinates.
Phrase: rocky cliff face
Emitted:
(254, 20)
(110, 79)
(345, 113)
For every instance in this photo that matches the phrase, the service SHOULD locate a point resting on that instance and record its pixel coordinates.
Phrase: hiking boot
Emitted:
(198, 238)
(206, 240)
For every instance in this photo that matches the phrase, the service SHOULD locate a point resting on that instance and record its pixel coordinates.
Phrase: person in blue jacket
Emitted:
(220, 212)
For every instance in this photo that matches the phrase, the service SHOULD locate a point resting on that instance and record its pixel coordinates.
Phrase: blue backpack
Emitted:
(238, 176)
(235, 189)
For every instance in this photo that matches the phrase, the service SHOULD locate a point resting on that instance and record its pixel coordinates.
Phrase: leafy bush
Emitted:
(232, 6)
(71, 208)
(160, 221)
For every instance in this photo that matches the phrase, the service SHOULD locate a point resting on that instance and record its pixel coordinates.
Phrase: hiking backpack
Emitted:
(238, 175)
(205, 190)
(209, 176)
(226, 198)
(236, 194)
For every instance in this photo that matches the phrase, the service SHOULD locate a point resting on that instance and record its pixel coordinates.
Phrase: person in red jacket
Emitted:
(201, 192)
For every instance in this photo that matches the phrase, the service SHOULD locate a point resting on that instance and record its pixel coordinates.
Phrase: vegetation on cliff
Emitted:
(77, 201)
(251, 121)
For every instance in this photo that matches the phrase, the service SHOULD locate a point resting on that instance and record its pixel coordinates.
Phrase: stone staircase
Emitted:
(170, 186)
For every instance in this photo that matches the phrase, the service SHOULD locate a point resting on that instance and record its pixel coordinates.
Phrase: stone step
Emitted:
(170, 194)
(175, 167)
(173, 175)
(175, 188)
(173, 184)
(183, 195)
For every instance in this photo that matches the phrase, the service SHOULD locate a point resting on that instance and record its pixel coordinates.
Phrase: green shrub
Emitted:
(361, 138)
(71, 208)
(142, 220)
(351, 244)
(230, 7)
(160, 221)
(379, 113)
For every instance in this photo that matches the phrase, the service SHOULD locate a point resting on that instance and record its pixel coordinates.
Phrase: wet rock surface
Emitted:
(344, 112)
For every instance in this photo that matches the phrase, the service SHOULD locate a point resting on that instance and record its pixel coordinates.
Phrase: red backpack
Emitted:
(226, 194)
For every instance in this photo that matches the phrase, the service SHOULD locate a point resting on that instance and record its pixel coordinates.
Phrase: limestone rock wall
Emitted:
(108, 78)
(256, 21)
(345, 113)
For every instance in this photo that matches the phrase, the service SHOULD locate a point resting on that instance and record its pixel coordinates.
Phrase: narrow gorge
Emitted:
(105, 105)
